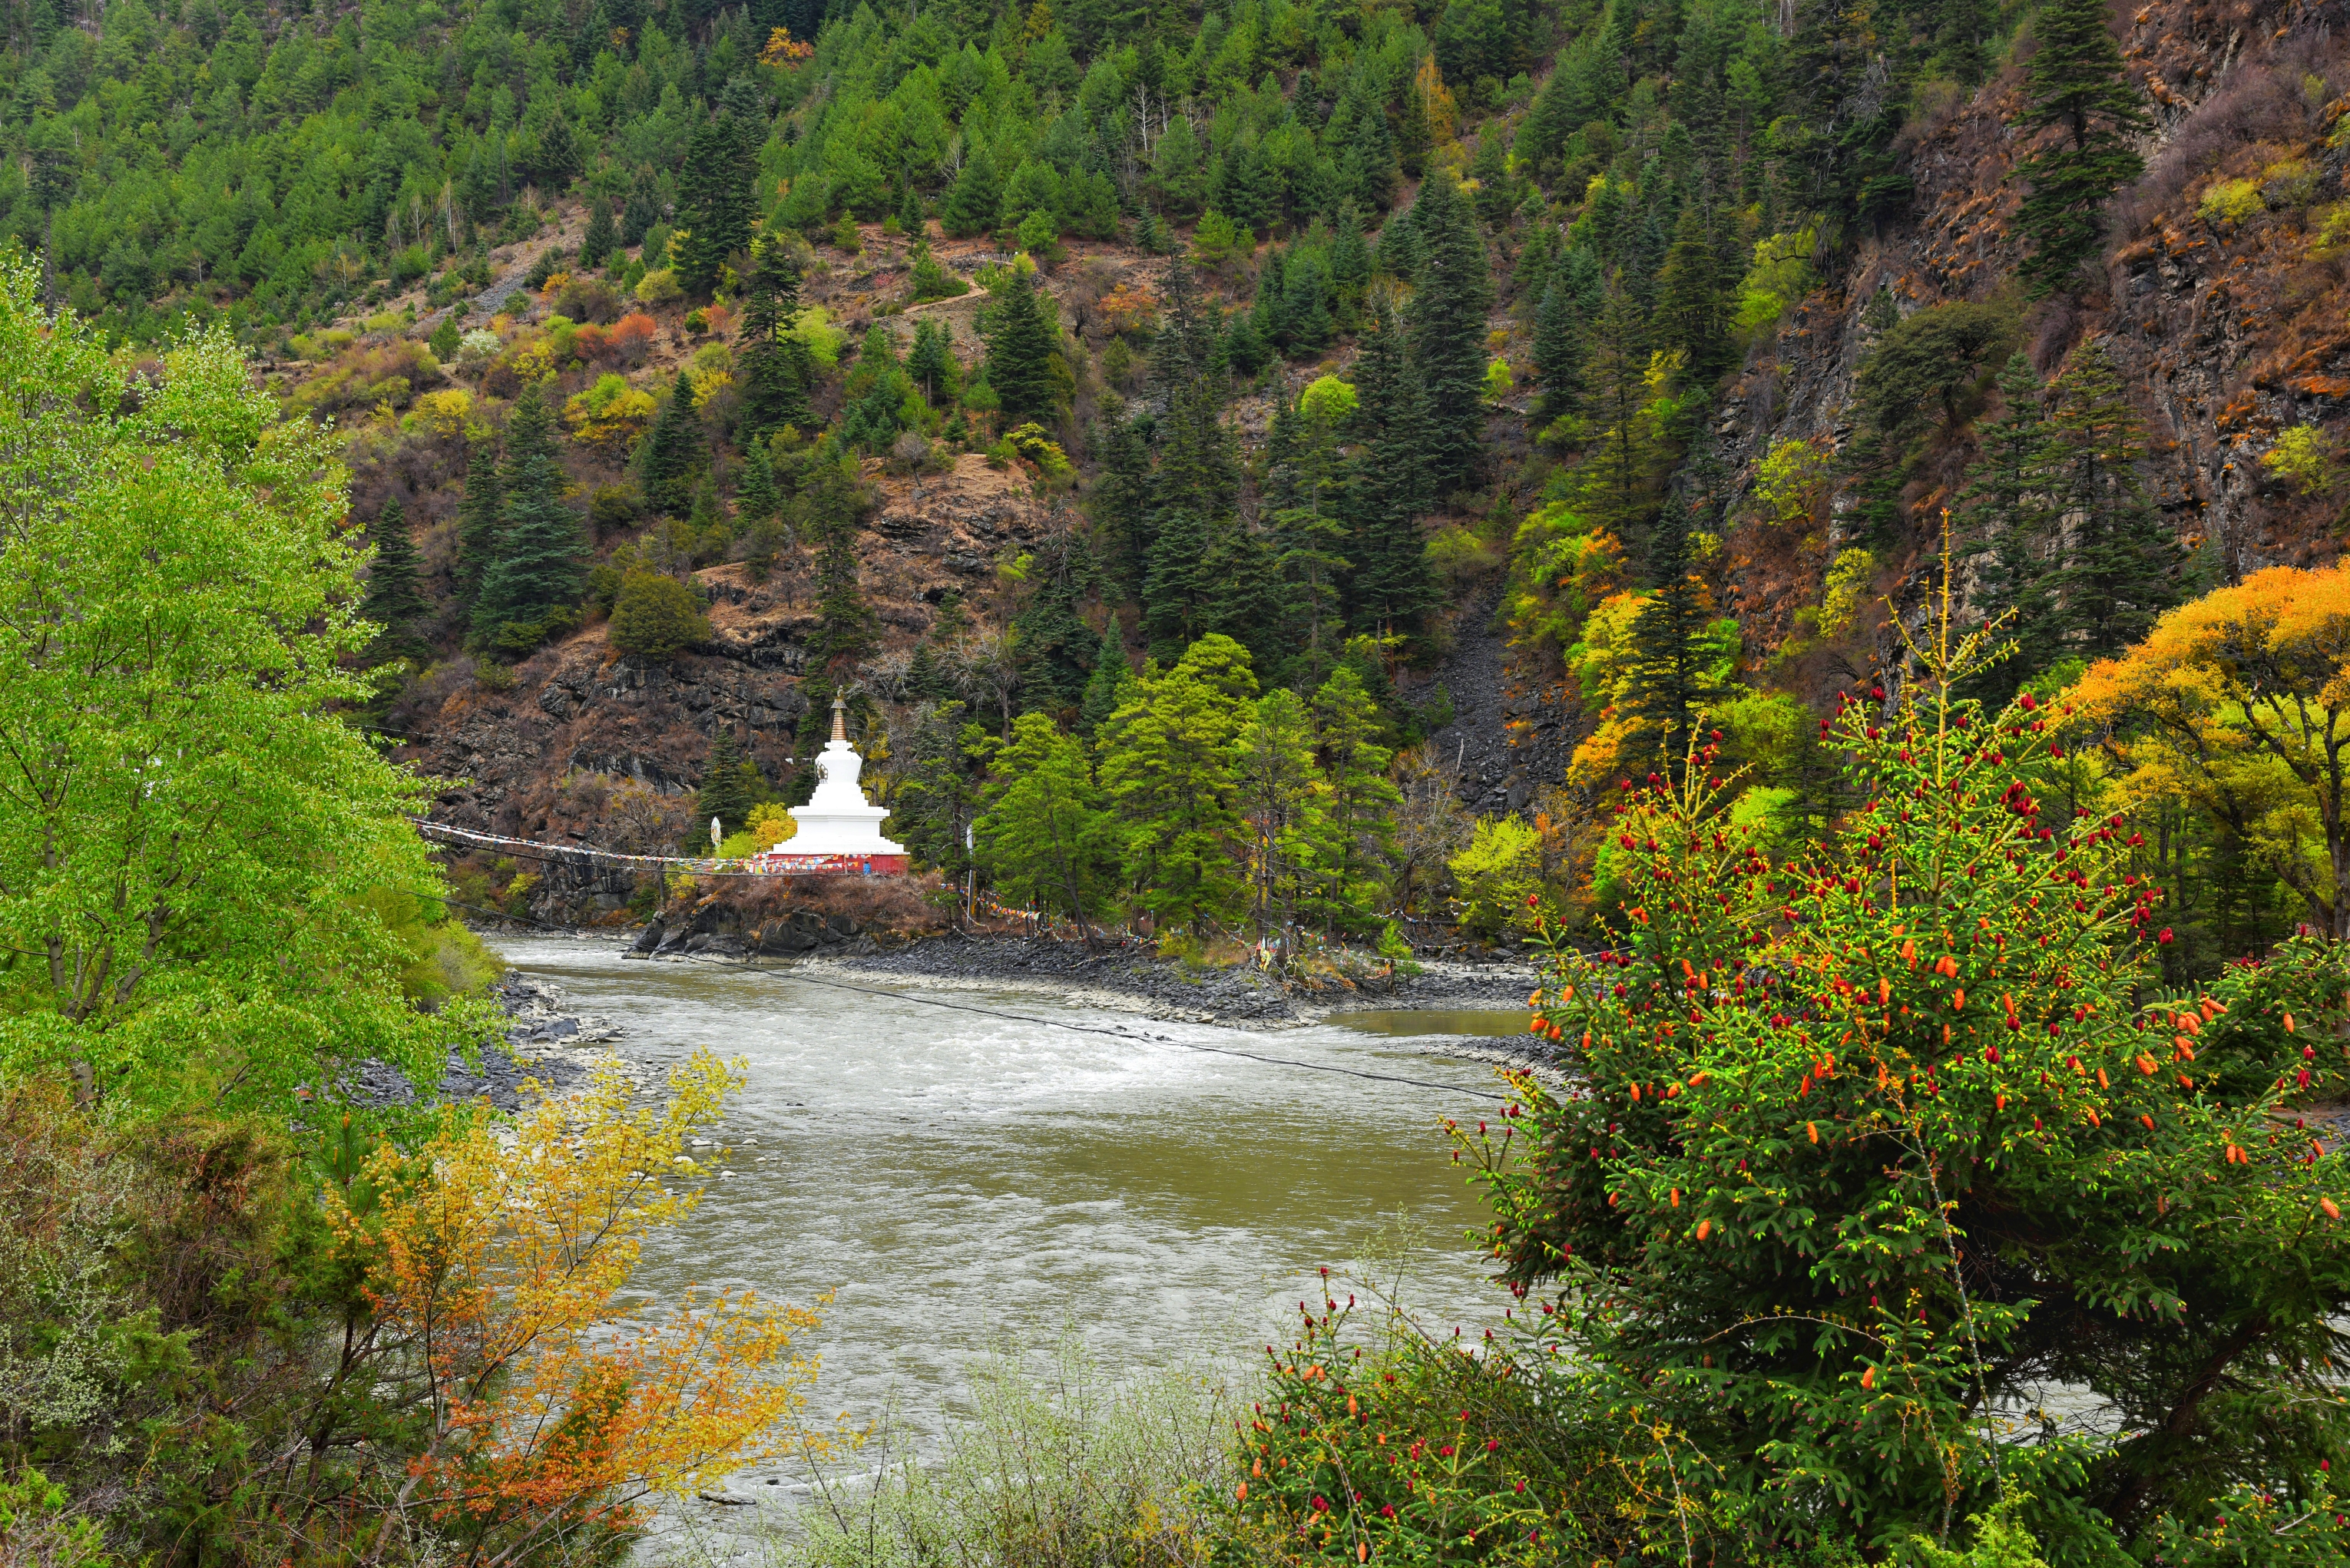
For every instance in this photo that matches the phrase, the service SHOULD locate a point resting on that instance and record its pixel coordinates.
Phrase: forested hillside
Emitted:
(1558, 379)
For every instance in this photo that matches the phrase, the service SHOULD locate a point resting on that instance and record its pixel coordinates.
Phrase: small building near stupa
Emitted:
(838, 832)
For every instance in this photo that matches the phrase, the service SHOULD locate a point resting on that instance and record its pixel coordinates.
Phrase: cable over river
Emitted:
(963, 1182)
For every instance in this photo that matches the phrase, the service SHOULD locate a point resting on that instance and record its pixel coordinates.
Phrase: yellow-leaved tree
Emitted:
(495, 1261)
(2239, 703)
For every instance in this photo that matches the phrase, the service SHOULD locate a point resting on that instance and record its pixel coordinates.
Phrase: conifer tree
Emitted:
(672, 451)
(1110, 685)
(2122, 562)
(716, 201)
(1446, 318)
(1673, 674)
(846, 625)
(1693, 304)
(2077, 89)
(776, 369)
(541, 566)
(477, 520)
(1022, 332)
(1042, 836)
(1558, 349)
(1618, 483)
(910, 213)
(1360, 804)
(1280, 798)
(756, 499)
(1391, 586)
(1121, 508)
(2003, 515)
(603, 236)
(642, 210)
(1169, 774)
(1057, 649)
(394, 599)
(976, 198)
(1176, 594)
(731, 786)
(1246, 599)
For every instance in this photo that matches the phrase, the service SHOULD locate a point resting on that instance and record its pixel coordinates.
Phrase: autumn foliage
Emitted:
(1864, 1151)
(496, 1265)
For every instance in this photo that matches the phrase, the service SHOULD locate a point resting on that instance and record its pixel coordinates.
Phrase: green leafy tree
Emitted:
(1858, 1137)
(1167, 765)
(191, 832)
(1042, 837)
(673, 451)
(1360, 804)
(656, 616)
(395, 599)
(1281, 794)
(2078, 89)
(535, 586)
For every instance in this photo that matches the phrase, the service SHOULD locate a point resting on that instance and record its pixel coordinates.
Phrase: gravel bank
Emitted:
(1133, 979)
(546, 1039)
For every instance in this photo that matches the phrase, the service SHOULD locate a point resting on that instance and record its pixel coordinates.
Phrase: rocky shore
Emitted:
(546, 1039)
(1133, 979)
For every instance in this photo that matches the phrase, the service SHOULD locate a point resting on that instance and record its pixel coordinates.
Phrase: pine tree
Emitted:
(603, 236)
(1042, 836)
(672, 451)
(731, 786)
(974, 202)
(1280, 796)
(1620, 481)
(716, 200)
(2122, 562)
(395, 601)
(1673, 678)
(1121, 508)
(910, 213)
(477, 521)
(1446, 318)
(1110, 685)
(756, 499)
(1168, 772)
(1177, 595)
(776, 369)
(1058, 648)
(1022, 332)
(1389, 488)
(2077, 88)
(1361, 802)
(2003, 515)
(1246, 597)
(642, 211)
(1693, 304)
(541, 567)
(1559, 350)
(845, 624)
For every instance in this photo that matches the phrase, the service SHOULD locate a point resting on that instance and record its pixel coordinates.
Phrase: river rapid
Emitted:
(964, 1183)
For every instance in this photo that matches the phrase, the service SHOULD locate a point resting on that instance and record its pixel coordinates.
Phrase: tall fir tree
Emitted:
(477, 521)
(1619, 482)
(1121, 508)
(1042, 836)
(1168, 772)
(717, 200)
(395, 599)
(1057, 649)
(1693, 304)
(1110, 685)
(1674, 679)
(603, 236)
(776, 369)
(2006, 526)
(731, 786)
(542, 562)
(2122, 562)
(1022, 327)
(1391, 485)
(2078, 91)
(845, 624)
(1178, 595)
(673, 451)
(1359, 804)
(1446, 318)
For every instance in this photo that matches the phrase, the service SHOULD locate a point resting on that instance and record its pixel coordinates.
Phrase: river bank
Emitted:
(547, 1039)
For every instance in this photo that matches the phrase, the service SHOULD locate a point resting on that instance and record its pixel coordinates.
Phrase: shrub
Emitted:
(1498, 874)
(609, 416)
(657, 286)
(1218, 239)
(1866, 1145)
(656, 616)
(477, 346)
(2303, 457)
(2232, 201)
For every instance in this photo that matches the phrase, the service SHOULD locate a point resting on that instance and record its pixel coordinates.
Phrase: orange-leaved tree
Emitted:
(495, 1260)
(2241, 703)
(1863, 1153)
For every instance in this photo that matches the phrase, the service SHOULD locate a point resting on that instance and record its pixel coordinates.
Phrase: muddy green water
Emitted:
(960, 1182)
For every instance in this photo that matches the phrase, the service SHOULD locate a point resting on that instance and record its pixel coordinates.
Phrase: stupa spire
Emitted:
(840, 718)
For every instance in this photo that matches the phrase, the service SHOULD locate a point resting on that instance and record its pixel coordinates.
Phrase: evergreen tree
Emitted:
(1674, 678)
(717, 203)
(672, 451)
(1121, 508)
(2004, 518)
(1110, 685)
(1176, 594)
(535, 586)
(1360, 805)
(2122, 564)
(1559, 349)
(974, 199)
(395, 600)
(477, 521)
(1446, 318)
(1280, 797)
(1693, 304)
(731, 786)
(1246, 601)
(1168, 772)
(1391, 586)
(910, 213)
(939, 786)
(602, 238)
(846, 624)
(642, 211)
(1042, 836)
(756, 499)
(775, 367)
(1619, 482)
(2076, 88)
(1022, 328)
(1057, 649)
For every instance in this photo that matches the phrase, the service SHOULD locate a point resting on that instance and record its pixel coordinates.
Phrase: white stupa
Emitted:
(836, 824)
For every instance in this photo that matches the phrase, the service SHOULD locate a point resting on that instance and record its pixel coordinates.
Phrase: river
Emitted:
(961, 1182)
